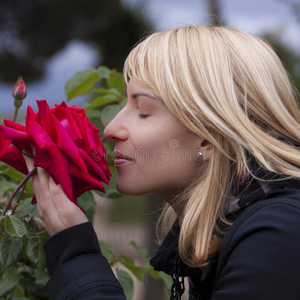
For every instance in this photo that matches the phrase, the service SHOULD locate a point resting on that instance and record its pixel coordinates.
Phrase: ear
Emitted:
(206, 148)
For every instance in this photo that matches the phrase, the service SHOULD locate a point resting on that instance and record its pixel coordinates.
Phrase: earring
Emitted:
(200, 154)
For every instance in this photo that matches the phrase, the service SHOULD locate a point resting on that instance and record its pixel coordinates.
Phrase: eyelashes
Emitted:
(143, 116)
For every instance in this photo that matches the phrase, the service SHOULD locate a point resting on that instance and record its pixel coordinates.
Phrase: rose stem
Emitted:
(21, 184)
(19, 199)
(15, 114)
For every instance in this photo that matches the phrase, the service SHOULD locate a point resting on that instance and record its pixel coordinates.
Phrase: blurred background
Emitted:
(47, 41)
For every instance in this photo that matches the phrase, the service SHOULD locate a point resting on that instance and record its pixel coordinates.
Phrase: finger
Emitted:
(43, 178)
(29, 162)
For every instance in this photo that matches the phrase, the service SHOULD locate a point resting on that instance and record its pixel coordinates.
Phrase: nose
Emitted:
(116, 130)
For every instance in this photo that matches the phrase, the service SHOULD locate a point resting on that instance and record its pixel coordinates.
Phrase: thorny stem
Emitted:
(21, 184)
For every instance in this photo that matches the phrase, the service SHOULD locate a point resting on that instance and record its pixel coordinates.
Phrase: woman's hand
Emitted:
(56, 211)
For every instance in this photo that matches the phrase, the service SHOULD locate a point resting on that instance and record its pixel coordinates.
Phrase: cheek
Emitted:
(172, 168)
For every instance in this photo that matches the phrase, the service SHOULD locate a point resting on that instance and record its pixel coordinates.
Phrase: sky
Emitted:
(253, 16)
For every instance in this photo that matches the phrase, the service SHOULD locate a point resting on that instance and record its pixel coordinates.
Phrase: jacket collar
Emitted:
(250, 191)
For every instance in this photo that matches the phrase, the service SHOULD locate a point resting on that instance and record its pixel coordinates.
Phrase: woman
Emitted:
(219, 102)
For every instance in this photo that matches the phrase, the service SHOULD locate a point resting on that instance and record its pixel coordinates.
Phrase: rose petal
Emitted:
(89, 136)
(57, 165)
(84, 182)
(13, 134)
(17, 138)
(4, 144)
(93, 167)
(30, 112)
(66, 118)
(14, 158)
(82, 143)
(38, 133)
(15, 125)
(68, 146)
(45, 116)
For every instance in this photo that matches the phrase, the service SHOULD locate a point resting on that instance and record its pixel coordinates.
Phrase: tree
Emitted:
(290, 58)
(214, 12)
(32, 31)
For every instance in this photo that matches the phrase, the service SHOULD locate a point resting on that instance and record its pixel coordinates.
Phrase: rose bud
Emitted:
(19, 92)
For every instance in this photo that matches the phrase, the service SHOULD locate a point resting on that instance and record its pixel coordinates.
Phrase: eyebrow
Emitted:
(136, 95)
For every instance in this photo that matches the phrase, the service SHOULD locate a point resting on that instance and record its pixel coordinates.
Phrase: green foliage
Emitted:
(22, 256)
(126, 282)
(21, 242)
(289, 57)
(129, 269)
(87, 203)
(81, 83)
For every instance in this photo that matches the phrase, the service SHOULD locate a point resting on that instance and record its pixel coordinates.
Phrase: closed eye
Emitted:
(143, 116)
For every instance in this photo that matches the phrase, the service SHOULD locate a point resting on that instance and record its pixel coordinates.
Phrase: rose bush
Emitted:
(49, 131)
(64, 143)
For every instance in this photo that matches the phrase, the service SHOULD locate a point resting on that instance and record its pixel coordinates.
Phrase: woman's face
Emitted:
(154, 153)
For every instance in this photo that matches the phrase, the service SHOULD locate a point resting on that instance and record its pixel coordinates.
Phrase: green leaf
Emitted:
(11, 274)
(12, 173)
(87, 202)
(6, 287)
(103, 91)
(25, 208)
(101, 100)
(41, 276)
(107, 250)
(146, 261)
(126, 282)
(81, 83)
(108, 113)
(141, 251)
(150, 270)
(18, 292)
(93, 113)
(167, 279)
(36, 252)
(103, 72)
(10, 251)
(43, 234)
(7, 186)
(14, 226)
(129, 264)
(1, 119)
(115, 80)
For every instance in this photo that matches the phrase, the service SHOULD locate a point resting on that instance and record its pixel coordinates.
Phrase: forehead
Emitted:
(134, 90)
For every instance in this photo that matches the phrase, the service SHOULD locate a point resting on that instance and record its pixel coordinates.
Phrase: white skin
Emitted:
(154, 154)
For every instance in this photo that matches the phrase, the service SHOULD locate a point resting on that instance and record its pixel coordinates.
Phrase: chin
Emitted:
(126, 190)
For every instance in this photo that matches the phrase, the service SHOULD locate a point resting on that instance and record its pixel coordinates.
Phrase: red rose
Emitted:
(11, 155)
(4, 145)
(65, 143)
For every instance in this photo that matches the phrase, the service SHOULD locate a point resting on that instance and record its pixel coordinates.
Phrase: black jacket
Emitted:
(258, 259)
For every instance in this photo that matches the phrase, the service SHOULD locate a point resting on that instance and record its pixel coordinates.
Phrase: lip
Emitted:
(121, 159)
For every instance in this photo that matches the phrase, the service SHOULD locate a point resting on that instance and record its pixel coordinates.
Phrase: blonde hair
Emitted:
(231, 89)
